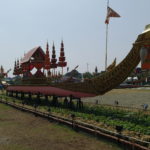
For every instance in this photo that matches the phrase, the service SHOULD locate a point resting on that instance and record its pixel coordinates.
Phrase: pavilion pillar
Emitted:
(71, 105)
(29, 96)
(66, 102)
(22, 95)
(79, 104)
(46, 99)
(55, 101)
(12, 94)
(16, 94)
(38, 98)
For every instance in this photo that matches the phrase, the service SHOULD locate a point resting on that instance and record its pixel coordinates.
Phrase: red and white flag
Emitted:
(110, 13)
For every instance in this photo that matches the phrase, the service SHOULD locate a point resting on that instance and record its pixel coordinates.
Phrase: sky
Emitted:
(25, 24)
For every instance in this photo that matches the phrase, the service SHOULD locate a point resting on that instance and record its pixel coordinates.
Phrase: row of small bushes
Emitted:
(132, 121)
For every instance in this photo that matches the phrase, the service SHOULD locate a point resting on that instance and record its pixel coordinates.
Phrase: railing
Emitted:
(129, 143)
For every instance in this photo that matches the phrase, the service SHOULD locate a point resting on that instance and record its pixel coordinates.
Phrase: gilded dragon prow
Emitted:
(111, 79)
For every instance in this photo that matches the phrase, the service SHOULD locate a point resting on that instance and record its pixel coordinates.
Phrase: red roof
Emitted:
(48, 90)
(28, 55)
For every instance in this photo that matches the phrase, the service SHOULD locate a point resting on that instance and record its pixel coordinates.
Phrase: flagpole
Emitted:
(107, 3)
(106, 46)
(106, 40)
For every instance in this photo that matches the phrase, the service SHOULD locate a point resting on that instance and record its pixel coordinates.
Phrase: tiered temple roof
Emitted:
(38, 59)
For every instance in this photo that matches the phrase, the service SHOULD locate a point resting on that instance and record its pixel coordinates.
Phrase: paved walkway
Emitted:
(126, 97)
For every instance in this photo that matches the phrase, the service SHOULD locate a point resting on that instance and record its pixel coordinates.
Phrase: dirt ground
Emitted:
(23, 131)
(134, 97)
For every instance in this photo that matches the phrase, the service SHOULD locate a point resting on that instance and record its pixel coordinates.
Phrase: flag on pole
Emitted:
(110, 13)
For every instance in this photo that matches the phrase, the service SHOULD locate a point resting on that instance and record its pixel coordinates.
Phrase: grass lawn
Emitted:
(134, 121)
(23, 131)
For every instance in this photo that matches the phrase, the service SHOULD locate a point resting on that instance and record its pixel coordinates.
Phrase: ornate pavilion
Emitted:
(39, 61)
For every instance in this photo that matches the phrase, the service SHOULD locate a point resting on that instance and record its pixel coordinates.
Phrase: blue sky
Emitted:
(25, 24)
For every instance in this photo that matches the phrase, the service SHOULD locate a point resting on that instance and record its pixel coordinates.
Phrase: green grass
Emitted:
(103, 116)
(23, 131)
